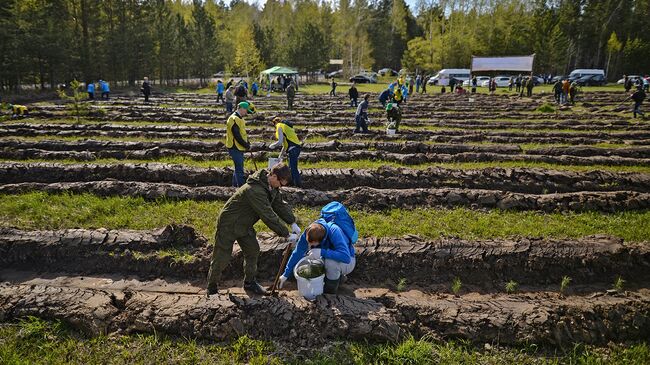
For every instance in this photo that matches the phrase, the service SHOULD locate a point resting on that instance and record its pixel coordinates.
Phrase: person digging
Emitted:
(394, 115)
(330, 238)
(259, 198)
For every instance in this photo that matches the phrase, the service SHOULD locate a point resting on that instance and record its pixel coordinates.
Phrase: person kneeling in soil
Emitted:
(259, 198)
(330, 238)
(18, 111)
(394, 115)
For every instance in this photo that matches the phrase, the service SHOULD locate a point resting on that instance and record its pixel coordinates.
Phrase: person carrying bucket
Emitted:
(330, 238)
(237, 140)
(259, 198)
(291, 147)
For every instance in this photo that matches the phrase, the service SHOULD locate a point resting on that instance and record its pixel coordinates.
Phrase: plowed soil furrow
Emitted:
(441, 137)
(364, 197)
(485, 265)
(401, 158)
(522, 180)
(330, 147)
(369, 315)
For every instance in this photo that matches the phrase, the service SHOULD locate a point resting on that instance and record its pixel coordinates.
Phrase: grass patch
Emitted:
(34, 341)
(546, 108)
(39, 210)
(357, 164)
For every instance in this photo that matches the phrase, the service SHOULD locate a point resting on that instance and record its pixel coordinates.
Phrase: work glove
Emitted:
(283, 279)
(292, 238)
(295, 229)
(314, 253)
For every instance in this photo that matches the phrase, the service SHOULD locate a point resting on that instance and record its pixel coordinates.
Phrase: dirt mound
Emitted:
(486, 264)
(522, 180)
(364, 197)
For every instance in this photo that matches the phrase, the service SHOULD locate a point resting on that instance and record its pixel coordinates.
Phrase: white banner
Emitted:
(518, 63)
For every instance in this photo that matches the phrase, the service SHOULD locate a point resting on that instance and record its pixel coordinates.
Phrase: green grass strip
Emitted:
(356, 164)
(34, 341)
(39, 210)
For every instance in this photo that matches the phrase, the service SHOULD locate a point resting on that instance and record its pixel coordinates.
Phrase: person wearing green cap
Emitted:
(237, 140)
(394, 115)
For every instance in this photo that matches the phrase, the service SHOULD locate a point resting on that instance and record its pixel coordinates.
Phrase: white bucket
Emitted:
(273, 161)
(308, 288)
(390, 132)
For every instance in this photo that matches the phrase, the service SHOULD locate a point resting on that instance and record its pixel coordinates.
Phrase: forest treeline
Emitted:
(46, 42)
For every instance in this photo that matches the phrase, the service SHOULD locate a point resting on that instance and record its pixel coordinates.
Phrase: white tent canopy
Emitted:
(517, 63)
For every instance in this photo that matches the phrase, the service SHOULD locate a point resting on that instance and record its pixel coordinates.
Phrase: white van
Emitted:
(580, 72)
(444, 75)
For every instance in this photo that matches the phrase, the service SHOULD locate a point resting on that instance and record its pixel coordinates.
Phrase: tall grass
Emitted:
(39, 210)
(34, 341)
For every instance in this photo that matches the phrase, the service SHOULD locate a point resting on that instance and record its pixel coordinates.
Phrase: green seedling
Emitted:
(401, 285)
(511, 286)
(564, 283)
(619, 283)
(456, 285)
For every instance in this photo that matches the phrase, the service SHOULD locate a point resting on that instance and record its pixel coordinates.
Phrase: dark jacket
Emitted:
(253, 201)
(241, 91)
(146, 88)
(638, 96)
(291, 91)
(353, 92)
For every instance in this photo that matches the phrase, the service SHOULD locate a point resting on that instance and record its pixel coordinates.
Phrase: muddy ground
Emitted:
(125, 281)
(95, 281)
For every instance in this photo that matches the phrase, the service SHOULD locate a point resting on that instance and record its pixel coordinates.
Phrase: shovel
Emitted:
(273, 290)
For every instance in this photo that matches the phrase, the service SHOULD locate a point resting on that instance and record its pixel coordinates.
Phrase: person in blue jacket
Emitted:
(106, 90)
(384, 97)
(90, 88)
(254, 88)
(327, 241)
(220, 90)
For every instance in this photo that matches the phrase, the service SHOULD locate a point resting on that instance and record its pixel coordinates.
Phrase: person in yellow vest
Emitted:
(237, 140)
(291, 147)
(18, 111)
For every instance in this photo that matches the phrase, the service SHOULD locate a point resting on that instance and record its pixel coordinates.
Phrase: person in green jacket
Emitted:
(259, 198)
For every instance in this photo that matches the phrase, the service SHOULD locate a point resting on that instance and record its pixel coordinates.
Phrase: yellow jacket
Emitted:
(235, 119)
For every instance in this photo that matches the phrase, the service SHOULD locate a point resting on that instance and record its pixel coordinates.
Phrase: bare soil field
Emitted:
(103, 280)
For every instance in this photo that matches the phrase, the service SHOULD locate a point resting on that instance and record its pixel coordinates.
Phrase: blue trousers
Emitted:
(293, 153)
(228, 107)
(238, 178)
(361, 123)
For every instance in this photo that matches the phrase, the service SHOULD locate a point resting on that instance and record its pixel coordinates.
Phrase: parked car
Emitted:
(387, 72)
(338, 73)
(538, 80)
(558, 78)
(219, 74)
(479, 81)
(363, 79)
(631, 77)
(591, 80)
(502, 81)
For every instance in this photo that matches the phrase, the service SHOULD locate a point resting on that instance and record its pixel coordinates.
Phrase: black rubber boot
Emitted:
(331, 286)
(254, 288)
(212, 289)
